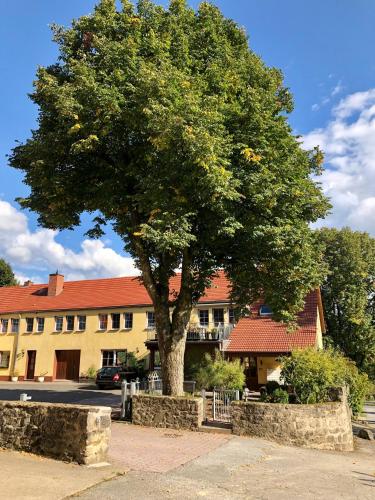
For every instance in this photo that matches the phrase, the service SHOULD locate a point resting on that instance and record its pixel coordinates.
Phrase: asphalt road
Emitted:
(55, 392)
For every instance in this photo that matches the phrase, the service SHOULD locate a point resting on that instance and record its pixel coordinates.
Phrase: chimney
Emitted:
(28, 283)
(55, 284)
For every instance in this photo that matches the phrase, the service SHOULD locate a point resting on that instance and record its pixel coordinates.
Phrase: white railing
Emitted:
(212, 331)
(197, 332)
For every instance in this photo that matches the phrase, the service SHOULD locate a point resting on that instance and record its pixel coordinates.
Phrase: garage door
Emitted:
(67, 365)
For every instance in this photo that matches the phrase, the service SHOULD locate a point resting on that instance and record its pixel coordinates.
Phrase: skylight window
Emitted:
(265, 310)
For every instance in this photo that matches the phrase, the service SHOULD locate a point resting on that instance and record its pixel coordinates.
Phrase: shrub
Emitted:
(219, 372)
(280, 396)
(91, 372)
(277, 396)
(271, 386)
(313, 372)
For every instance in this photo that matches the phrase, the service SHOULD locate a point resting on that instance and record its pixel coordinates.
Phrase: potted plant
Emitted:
(14, 377)
(41, 377)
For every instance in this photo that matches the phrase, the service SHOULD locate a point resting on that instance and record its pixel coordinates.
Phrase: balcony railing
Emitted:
(197, 332)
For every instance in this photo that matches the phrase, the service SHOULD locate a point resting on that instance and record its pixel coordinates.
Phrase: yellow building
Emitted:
(62, 329)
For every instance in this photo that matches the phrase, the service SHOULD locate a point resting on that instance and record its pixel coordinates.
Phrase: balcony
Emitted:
(198, 333)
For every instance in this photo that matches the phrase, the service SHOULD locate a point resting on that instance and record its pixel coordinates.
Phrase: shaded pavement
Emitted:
(61, 392)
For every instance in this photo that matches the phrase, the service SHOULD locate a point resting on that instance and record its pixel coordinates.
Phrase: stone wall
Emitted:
(325, 426)
(167, 411)
(65, 432)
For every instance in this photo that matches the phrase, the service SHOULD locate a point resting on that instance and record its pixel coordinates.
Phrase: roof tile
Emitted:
(262, 334)
(95, 294)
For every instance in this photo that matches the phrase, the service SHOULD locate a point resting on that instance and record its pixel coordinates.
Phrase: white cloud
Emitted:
(337, 89)
(348, 141)
(33, 254)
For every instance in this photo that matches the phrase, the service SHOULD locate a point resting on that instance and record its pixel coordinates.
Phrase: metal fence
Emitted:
(221, 407)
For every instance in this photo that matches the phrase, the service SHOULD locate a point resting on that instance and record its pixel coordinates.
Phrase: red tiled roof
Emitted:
(95, 294)
(262, 334)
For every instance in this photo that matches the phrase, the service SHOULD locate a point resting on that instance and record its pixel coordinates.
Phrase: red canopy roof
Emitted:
(261, 334)
(95, 294)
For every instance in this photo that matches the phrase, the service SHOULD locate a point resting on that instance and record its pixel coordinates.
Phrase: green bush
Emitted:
(219, 372)
(91, 372)
(312, 373)
(271, 386)
(277, 396)
(280, 396)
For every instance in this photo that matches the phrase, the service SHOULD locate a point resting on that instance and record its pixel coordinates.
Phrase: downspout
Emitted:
(15, 349)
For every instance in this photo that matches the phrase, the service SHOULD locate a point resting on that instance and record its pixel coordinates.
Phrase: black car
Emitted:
(112, 376)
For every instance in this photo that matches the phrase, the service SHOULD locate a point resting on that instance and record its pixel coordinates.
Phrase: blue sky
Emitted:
(325, 50)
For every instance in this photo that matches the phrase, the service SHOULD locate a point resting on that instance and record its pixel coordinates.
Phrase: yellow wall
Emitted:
(90, 342)
(319, 335)
(264, 363)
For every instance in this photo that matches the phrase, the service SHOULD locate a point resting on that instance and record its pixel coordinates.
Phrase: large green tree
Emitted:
(163, 123)
(349, 293)
(7, 277)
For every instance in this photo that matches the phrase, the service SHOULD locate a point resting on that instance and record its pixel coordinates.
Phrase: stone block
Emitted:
(321, 426)
(65, 432)
(167, 411)
(366, 434)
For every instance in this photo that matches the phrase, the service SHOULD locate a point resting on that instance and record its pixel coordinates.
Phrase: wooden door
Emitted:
(30, 372)
(67, 365)
(251, 372)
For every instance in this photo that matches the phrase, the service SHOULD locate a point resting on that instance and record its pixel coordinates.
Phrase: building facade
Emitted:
(64, 329)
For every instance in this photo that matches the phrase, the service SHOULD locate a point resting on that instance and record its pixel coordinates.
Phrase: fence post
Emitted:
(124, 397)
(214, 401)
(133, 389)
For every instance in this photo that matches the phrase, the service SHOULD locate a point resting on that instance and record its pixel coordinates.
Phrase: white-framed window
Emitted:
(4, 325)
(128, 320)
(29, 325)
(70, 323)
(203, 317)
(232, 318)
(114, 357)
(39, 325)
(15, 325)
(116, 318)
(103, 321)
(59, 323)
(218, 316)
(81, 322)
(150, 315)
(4, 359)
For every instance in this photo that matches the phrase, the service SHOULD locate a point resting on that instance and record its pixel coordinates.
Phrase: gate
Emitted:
(221, 407)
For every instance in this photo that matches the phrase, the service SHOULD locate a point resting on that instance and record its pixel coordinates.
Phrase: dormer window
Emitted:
(265, 310)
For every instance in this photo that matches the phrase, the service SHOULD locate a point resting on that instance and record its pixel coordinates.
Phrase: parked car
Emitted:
(112, 376)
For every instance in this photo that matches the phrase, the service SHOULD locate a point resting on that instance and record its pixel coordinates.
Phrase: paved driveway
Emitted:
(168, 464)
(65, 392)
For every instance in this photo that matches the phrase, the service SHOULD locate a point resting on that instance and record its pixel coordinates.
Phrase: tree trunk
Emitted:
(172, 362)
(171, 341)
(171, 332)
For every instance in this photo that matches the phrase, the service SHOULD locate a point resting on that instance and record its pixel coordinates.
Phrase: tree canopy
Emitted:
(163, 123)
(348, 293)
(7, 277)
